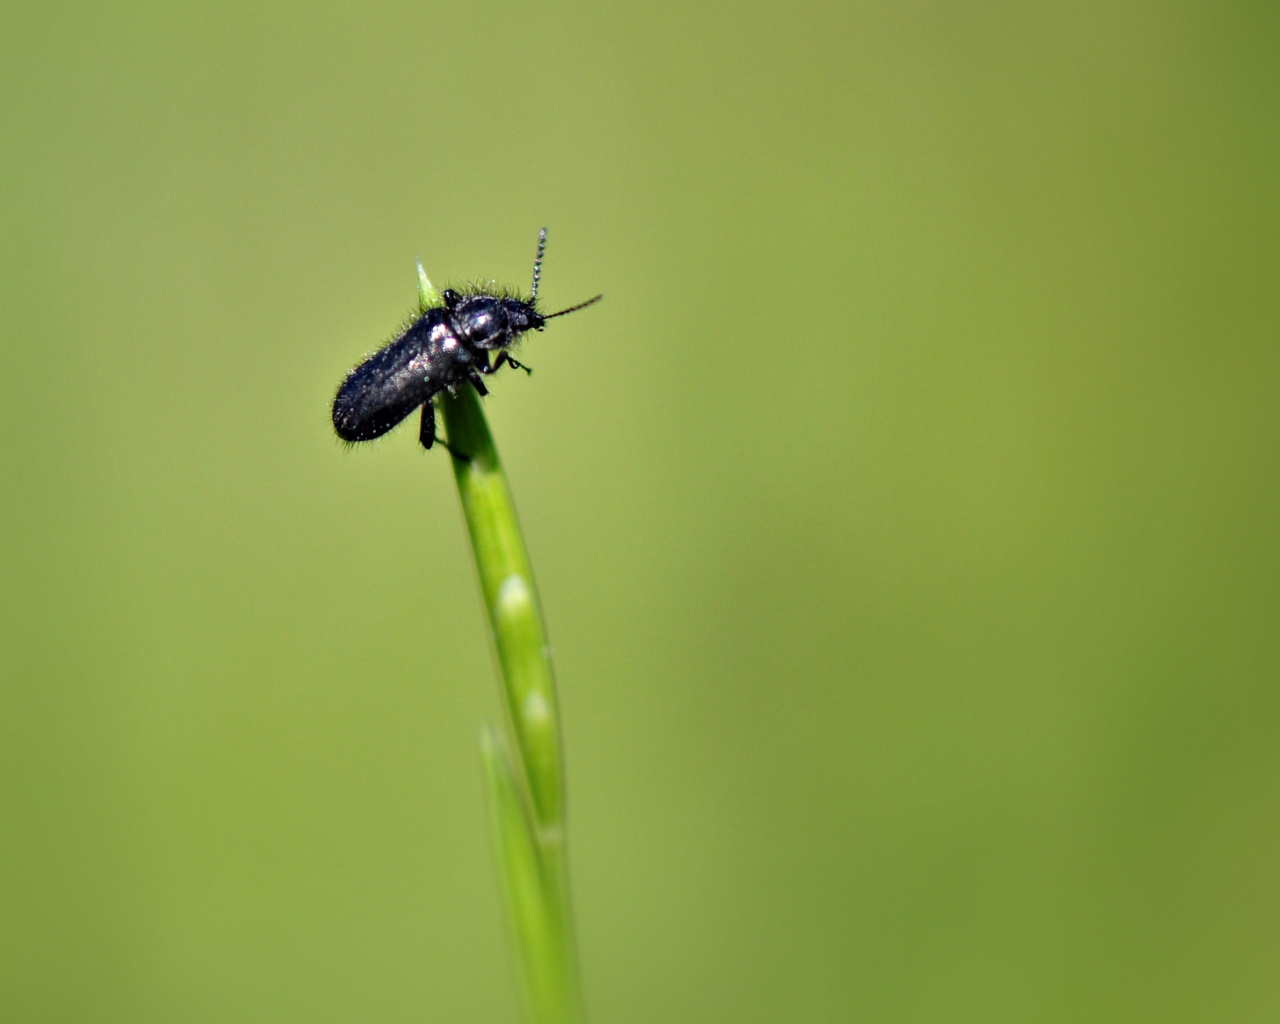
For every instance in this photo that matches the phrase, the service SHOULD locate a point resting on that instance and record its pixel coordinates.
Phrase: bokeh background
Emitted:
(905, 518)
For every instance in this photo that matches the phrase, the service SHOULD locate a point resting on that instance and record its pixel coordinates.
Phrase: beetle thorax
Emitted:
(490, 322)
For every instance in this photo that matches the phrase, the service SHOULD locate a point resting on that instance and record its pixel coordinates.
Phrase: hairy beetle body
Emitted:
(443, 348)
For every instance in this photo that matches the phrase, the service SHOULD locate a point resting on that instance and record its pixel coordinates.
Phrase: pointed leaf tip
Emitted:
(428, 297)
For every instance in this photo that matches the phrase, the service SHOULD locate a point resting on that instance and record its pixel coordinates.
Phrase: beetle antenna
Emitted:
(574, 309)
(537, 265)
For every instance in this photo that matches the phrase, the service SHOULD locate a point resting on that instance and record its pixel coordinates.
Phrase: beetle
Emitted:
(443, 348)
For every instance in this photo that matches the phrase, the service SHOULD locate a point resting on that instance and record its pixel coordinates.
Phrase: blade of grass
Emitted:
(507, 585)
(527, 792)
(546, 977)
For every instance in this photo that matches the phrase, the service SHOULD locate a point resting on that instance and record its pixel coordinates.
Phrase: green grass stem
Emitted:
(525, 773)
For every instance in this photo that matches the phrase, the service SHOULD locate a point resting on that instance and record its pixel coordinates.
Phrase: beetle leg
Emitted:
(478, 384)
(505, 357)
(427, 433)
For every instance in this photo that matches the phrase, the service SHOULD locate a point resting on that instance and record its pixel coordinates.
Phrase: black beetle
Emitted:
(442, 348)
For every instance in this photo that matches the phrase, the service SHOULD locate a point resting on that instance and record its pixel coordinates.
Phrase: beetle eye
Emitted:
(450, 297)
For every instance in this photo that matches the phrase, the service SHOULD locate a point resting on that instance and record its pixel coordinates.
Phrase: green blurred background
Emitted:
(905, 517)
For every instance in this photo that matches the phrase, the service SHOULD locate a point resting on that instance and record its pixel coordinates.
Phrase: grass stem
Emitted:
(524, 770)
